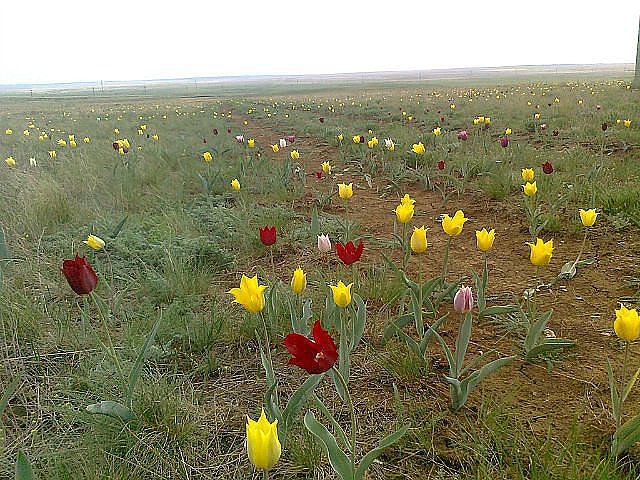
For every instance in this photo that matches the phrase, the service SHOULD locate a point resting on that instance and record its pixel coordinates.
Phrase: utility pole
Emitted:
(636, 81)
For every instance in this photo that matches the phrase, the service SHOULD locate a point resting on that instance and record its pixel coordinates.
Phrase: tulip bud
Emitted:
(463, 301)
(441, 165)
(324, 244)
(547, 168)
(504, 141)
(298, 281)
(463, 135)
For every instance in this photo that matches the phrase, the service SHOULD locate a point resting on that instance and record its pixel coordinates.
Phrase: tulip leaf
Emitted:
(409, 283)
(23, 467)
(118, 229)
(359, 321)
(568, 270)
(136, 370)
(448, 292)
(271, 405)
(473, 380)
(267, 364)
(535, 330)
(4, 250)
(482, 303)
(630, 385)
(299, 398)
(307, 314)
(334, 423)
(548, 346)
(8, 393)
(426, 338)
(615, 398)
(626, 435)
(497, 310)
(393, 327)
(112, 409)
(462, 342)
(447, 352)
(337, 458)
(383, 444)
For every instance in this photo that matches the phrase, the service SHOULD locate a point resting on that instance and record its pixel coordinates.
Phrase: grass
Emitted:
(178, 238)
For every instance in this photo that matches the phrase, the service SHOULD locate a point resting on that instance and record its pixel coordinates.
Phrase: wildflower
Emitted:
(341, 294)
(317, 356)
(349, 253)
(541, 252)
(263, 445)
(250, 294)
(484, 239)
(81, 277)
(453, 226)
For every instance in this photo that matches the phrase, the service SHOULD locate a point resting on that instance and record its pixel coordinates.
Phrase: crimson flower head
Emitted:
(228, 130)
(362, 139)
(349, 253)
(504, 141)
(321, 119)
(268, 235)
(319, 174)
(463, 135)
(555, 133)
(204, 140)
(290, 138)
(441, 165)
(81, 277)
(547, 168)
(115, 146)
(315, 356)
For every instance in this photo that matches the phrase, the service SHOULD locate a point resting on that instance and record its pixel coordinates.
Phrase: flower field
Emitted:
(352, 282)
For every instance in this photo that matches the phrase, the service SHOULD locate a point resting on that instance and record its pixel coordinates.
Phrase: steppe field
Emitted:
(417, 279)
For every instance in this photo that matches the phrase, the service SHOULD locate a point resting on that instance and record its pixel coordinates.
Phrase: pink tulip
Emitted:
(463, 301)
(240, 138)
(324, 244)
(463, 135)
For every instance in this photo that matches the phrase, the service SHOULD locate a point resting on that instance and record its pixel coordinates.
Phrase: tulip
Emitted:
(10, 161)
(345, 191)
(528, 174)
(283, 143)
(627, 324)
(324, 244)
(530, 189)
(356, 139)
(418, 241)
(452, 106)
(295, 155)
(53, 153)
(536, 116)
(32, 162)
(588, 217)
(463, 300)
(404, 212)
(437, 131)
(547, 168)
(215, 131)
(251, 143)
(349, 253)
(463, 135)
(484, 239)
(508, 131)
(541, 252)
(94, 242)
(86, 140)
(315, 356)
(373, 142)
(290, 138)
(418, 148)
(8, 131)
(116, 131)
(627, 123)
(298, 281)
(504, 141)
(240, 138)
(321, 119)
(487, 121)
(250, 294)
(326, 168)
(481, 119)
(441, 165)
(604, 126)
(26, 133)
(275, 148)
(62, 142)
(155, 137)
(453, 226)
(235, 184)
(388, 143)
(340, 137)
(341, 294)
(81, 277)
(263, 445)
(207, 157)
(268, 235)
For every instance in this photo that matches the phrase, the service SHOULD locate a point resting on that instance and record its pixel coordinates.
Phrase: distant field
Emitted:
(161, 336)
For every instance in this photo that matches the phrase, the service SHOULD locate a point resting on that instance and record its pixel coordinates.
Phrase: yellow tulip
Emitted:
(484, 239)
(73, 144)
(407, 200)
(452, 106)
(53, 153)
(10, 161)
(326, 168)
(345, 191)
(155, 137)
(26, 133)
(530, 189)
(536, 116)
(404, 212)
(528, 174)
(340, 137)
(627, 324)
(71, 137)
(487, 120)
(295, 155)
(235, 184)
(116, 131)
(541, 252)
(356, 139)
(437, 131)
(419, 240)
(476, 121)
(125, 142)
(299, 281)
(207, 156)
(263, 445)
(251, 143)
(275, 148)
(508, 131)
(61, 142)
(481, 119)
(372, 143)
(588, 217)
(94, 242)
(250, 294)
(627, 123)
(86, 139)
(341, 294)
(8, 131)
(453, 226)
(418, 148)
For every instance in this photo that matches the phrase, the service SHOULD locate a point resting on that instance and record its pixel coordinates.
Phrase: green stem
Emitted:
(110, 348)
(584, 242)
(352, 411)
(622, 385)
(265, 475)
(445, 267)
(404, 247)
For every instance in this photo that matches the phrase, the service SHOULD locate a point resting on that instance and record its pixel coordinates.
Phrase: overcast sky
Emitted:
(80, 40)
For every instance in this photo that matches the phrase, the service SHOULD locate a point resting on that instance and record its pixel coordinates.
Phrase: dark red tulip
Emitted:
(604, 126)
(321, 119)
(228, 130)
(319, 174)
(268, 235)
(81, 277)
(547, 168)
(204, 140)
(125, 150)
(315, 356)
(115, 146)
(441, 165)
(463, 135)
(349, 253)
(441, 119)
(290, 138)
(504, 141)
(215, 131)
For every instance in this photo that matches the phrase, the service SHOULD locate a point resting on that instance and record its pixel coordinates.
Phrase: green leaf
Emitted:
(626, 435)
(533, 335)
(448, 354)
(118, 229)
(136, 370)
(267, 365)
(568, 270)
(548, 346)
(393, 327)
(334, 423)
(300, 397)
(359, 321)
(615, 402)
(386, 442)
(479, 290)
(498, 310)
(473, 380)
(409, 283)
(112, 409)
(307, 314)
(8, 393)
(23, 467)
(426, 339)
(462, 342)
(337, 458)
(271, 406)
(4, 249)
(315, 223)
(630, 385)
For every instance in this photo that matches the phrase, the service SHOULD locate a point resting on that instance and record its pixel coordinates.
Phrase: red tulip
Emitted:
(290, 138)
(228, 130)
(604, 127)
(81, 277)
(268, 235)
(316, 356)
(349, 253)
(115, 146)
(463, 135)
(441, 165)
(319, 174)
(504, 141)
(204, 140)
(321, 119)
(547, 168)
(362, 139)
